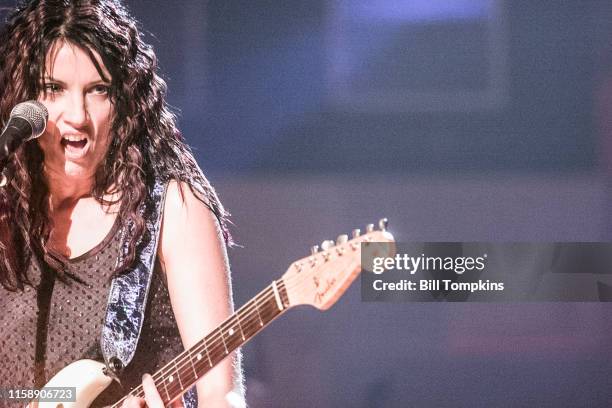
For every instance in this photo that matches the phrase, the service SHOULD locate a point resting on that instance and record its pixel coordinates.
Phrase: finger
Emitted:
(152, 397)
(133, 402)
(178, 403)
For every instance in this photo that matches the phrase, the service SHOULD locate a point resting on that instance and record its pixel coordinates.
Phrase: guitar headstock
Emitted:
(321, 278)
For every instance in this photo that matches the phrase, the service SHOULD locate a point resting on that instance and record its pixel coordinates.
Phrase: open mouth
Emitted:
(75, 146)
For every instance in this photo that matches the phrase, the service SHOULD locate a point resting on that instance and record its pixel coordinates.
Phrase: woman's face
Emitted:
(77, 136)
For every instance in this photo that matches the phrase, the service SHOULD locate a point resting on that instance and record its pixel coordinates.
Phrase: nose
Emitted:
(75, 113)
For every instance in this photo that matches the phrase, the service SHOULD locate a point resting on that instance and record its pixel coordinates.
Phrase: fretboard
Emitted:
(176, 377)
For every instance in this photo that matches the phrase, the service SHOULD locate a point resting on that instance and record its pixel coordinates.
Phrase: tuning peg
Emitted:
(325, 245)
(342, 239)
(382, 224)
(369, 228)
(355, 233)
(314, 249)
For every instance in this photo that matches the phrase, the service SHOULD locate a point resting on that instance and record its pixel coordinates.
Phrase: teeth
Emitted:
(74, 138)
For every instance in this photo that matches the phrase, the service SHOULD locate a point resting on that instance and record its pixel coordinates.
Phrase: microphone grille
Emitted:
(35, 113)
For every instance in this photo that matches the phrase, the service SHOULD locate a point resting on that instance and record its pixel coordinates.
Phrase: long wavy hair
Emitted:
(145, 141)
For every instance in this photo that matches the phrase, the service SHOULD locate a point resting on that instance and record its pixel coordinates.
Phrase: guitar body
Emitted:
(87, 376)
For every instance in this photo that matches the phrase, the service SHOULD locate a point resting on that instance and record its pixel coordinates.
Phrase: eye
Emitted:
(52, 88)
(100, 90)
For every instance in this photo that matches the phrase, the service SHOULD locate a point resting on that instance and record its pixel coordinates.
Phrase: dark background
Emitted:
(251, 79)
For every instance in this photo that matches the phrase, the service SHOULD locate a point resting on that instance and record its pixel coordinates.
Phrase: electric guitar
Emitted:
(318, 280)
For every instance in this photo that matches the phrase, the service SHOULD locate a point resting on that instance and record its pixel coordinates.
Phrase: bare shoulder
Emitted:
(179, 195)
(183, 204)
(188, 221)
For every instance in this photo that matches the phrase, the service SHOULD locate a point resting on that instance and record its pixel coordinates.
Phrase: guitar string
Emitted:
(184, 363)
(247, 309)
(192, 370)
(181, 365)
(169, 388)
(263, 297)
(184, 360)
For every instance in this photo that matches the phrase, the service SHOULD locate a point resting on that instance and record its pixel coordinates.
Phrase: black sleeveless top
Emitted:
(69, 316)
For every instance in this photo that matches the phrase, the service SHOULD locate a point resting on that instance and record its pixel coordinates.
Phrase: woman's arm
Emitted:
(194, 257)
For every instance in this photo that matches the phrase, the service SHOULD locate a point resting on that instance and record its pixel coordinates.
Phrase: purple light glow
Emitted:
(416, 10)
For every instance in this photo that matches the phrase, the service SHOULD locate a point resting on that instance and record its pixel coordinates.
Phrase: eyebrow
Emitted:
(48, 78)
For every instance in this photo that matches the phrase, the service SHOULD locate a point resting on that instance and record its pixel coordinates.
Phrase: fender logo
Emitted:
(324, 289)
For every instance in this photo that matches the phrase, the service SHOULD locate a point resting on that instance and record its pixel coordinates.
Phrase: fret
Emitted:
(261, 323)
(283, 293)
(178, 375)
(170, 381)
(249, 322)
(270, 309)
(240, 326)
(277, 297)
(216, 347)
(207, 352)
(202, 364)
(223, 340)
(233, 337)
(244, 323)
(163, 377)
(190, 357)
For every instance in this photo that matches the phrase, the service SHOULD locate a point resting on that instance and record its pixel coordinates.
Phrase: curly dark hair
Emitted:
(145, 145)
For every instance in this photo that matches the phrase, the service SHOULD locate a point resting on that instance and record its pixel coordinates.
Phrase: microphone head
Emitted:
(35, 113)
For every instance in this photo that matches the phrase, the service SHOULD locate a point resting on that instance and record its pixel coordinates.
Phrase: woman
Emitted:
(75, 202)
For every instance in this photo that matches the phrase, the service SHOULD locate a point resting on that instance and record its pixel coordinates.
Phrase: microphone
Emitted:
(28, 120)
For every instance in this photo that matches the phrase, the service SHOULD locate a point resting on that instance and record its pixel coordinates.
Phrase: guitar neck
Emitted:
(181, 373)
(318, 280)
